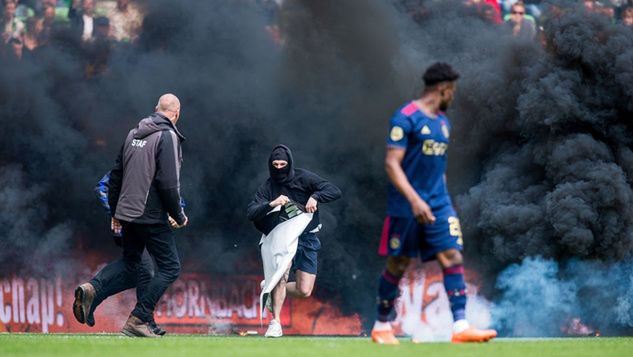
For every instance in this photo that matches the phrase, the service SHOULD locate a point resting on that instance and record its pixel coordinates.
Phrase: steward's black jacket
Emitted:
(145, 179)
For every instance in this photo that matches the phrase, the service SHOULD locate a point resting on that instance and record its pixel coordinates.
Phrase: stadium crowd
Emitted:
(28, 26)
(101, 26)
(525, 18)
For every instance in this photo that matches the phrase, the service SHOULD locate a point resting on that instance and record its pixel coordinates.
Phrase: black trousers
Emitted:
(112, 279)
(160, 243)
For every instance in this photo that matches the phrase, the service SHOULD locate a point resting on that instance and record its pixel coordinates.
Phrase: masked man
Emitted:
(285, 186)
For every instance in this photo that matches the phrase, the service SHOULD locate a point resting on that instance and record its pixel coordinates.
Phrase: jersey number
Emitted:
(455, 229)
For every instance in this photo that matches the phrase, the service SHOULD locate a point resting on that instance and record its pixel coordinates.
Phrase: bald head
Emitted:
(169, 106)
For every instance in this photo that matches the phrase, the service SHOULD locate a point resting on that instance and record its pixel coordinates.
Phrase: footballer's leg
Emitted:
(388, 292)
(445, 238)
(399, 241)
(451, 262)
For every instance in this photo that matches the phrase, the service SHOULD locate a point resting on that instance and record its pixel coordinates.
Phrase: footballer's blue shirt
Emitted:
(425, 141)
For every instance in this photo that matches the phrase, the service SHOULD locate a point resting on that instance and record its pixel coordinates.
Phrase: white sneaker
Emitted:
(274, 329)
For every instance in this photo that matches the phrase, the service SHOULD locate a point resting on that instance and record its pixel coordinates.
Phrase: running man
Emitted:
(287, 184)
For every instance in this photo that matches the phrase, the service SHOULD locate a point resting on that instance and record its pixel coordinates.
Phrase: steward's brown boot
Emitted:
(84, 296)
(134, 327)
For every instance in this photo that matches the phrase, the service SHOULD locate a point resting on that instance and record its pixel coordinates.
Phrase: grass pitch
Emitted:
(189, 345)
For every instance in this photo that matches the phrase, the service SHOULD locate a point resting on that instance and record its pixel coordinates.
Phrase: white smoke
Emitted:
(540, 297)
(423, 307)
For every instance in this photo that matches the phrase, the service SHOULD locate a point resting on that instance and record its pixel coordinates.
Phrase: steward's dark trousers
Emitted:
(161, 245)
(112, 279)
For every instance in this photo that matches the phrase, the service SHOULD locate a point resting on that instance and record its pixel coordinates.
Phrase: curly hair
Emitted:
(439, 72)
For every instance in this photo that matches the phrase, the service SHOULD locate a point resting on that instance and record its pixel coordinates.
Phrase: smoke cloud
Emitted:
(542, 297)
(555, 179)
(540, 164)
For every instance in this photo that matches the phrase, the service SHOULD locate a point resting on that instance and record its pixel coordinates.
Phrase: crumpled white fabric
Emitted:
(278, 248)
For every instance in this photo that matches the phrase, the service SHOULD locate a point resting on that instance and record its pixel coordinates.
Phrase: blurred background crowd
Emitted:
(98, 27)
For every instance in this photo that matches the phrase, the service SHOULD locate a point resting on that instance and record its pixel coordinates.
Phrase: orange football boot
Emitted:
(384, 337)
(472, 334)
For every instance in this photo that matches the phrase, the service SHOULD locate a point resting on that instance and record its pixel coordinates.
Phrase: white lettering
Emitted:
(33, 305)
(5, 309)
(193, 299)
(36, 302)
(193, 296)
(17, 288)
(138, 143)
(58, 299)
(433, 148)
(178, 301)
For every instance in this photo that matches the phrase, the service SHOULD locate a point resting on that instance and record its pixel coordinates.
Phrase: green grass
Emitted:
(189, 345)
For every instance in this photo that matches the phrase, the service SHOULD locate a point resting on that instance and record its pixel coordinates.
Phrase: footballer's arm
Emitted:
(393, 166)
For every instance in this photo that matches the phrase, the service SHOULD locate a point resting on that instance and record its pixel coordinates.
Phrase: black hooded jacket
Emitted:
(297, 184)
(145, 179)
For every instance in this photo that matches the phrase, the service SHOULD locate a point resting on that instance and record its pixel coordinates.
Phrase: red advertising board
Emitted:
(195, 303)
(221, 304)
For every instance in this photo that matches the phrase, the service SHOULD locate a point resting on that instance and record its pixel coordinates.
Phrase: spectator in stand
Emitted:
(271, 11)
(54, 4)
(11, 25)
(532, 7)
(24, 9)
(600, 7)
(99, 48)
(125, 21)
(15, 50)
(48, 13)
(81, 15)
(627, 16)
(608, 11)
(518, 24)
(490, 14)
(48, 21)
(34, 30)
(488, 8)
(102, 29)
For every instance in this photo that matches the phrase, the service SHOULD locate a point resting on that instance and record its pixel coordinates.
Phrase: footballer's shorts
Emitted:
(405, 236)
(306, 257)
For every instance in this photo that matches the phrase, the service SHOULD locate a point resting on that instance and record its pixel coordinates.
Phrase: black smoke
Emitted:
(540, 163)
(553, 175)
(63, 127)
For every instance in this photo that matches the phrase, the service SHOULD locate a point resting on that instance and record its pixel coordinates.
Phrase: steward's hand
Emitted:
(115, 226)
(175, 225)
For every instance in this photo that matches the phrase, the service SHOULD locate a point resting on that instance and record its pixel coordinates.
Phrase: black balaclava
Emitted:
(281, 152)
